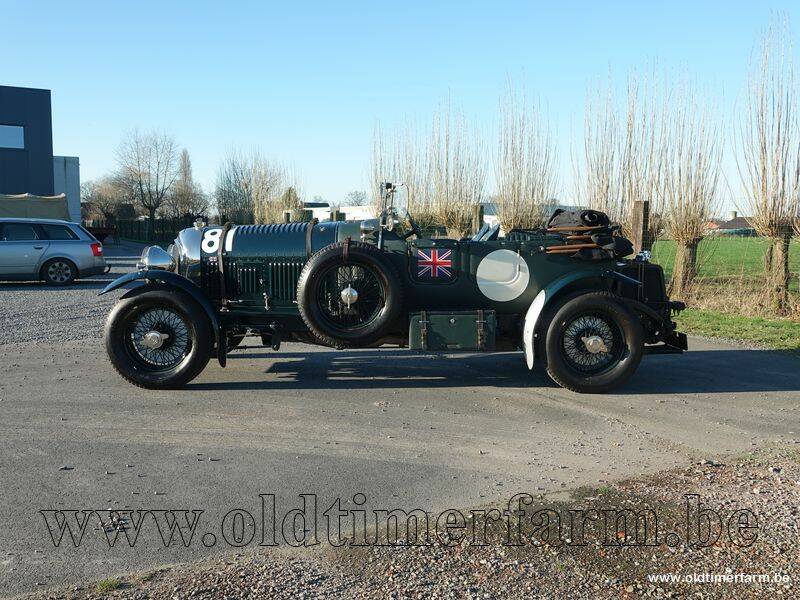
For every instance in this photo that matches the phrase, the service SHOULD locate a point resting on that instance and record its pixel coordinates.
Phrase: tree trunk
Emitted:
(151, 230)
(778, 283)
(685, 268)
(768, 258)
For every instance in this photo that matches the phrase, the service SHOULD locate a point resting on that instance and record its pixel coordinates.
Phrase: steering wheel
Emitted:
(415, 230)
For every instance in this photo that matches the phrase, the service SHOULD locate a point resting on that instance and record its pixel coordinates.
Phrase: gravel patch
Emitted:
(766, 481)
(32, 312)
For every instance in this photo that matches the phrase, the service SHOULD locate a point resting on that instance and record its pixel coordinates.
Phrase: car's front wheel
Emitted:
(593, 343)
(158, 338)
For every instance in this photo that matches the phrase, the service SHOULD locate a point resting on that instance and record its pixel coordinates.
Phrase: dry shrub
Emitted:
(524, 164)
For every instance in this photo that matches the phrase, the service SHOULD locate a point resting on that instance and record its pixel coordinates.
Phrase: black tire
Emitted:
(323, 310)
(578, 319)
(180, 316)
(59, 271)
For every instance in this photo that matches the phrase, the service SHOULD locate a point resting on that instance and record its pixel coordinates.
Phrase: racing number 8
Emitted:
(210, 243)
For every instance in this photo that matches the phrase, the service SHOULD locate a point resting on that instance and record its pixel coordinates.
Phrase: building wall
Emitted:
(67, 180)
(29, 169)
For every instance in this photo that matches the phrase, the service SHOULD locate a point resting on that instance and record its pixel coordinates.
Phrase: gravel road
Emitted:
(407, 431)
(33, 312)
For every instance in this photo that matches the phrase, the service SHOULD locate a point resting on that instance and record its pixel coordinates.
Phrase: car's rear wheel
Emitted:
(593, 343)
(158, 338)
(59, 271)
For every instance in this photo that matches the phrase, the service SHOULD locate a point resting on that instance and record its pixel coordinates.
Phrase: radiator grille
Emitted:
(282, 277)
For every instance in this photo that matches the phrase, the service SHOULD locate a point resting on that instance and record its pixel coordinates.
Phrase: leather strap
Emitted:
(309, 232)
(220, 263)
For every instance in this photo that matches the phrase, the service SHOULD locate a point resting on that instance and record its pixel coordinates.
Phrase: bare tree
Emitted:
(769, 155)
(623, 156)
(148, 167)
(692, 157)
(105, 196)
(524, 164)
(456, 172)
(186, 197)
(400, 156)
(356, 198)
(247, 188)
(598, 174)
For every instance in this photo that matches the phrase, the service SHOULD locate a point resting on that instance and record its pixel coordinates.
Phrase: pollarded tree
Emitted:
(524, 164)
(769, 156)
(692, 156)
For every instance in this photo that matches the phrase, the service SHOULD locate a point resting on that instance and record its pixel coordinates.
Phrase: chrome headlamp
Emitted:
(155, 257)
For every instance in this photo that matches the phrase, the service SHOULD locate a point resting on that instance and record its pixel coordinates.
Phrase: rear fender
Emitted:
(182, 283)
(550, 293)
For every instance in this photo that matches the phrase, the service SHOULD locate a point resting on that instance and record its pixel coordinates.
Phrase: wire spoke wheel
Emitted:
(592, 343)
(350, 296)
(158, 338)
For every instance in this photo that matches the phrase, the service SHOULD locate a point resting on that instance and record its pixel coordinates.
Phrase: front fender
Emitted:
(547, 294)
(182, 283)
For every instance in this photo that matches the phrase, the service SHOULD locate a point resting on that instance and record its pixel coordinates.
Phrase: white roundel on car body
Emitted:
(502, 275)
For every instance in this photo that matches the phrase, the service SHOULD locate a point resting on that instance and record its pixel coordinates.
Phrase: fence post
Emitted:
(640, 220)
(477, 218)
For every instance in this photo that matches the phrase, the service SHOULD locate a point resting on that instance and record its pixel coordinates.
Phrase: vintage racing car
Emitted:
(564, 295)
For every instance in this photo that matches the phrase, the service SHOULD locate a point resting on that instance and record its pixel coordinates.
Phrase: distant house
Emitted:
(735, 225)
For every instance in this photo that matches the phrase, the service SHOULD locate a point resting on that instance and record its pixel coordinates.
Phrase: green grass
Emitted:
(778, 334)
(722, 256)
(108, 585)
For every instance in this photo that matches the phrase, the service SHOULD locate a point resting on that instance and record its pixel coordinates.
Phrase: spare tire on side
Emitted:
(349, 294)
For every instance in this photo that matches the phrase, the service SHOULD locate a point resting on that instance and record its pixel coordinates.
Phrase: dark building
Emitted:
(26, 141)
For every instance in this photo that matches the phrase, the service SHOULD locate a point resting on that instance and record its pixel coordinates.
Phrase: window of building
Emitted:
(59, 232)
(19, 232)
(12, 136)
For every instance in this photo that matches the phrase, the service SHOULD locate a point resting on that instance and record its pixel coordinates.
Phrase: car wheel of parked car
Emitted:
(158, 338)
(593, 343)
(59, 271)
(349, 294)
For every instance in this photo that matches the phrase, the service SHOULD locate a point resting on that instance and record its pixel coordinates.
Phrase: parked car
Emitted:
(563, 294)
(54, 251)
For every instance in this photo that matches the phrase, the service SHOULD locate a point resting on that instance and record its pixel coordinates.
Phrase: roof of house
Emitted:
(737, 223)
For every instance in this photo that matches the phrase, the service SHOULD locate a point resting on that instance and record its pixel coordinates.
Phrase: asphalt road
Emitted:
(407, 431)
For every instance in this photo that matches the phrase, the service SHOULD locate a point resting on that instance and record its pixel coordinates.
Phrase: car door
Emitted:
(21, 249)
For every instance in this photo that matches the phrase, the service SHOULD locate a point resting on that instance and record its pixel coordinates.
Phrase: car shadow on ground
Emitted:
(702, 371)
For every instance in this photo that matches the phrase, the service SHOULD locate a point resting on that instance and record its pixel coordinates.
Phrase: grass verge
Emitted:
(777, 334)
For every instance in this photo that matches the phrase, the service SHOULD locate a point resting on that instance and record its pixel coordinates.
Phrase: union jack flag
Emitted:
(432, 264)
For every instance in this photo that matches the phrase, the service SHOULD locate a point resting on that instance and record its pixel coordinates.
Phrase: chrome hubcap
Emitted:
(349, 296)
(160, 338)
(594, 344)
(154, 339)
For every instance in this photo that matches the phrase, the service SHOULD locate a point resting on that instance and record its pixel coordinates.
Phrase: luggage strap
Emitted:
(481, 323)
(423, 329)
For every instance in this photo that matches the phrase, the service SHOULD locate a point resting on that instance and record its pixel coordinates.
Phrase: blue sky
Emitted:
(306, 82)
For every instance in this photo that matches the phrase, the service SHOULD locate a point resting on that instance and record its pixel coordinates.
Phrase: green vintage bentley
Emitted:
(564, 295)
